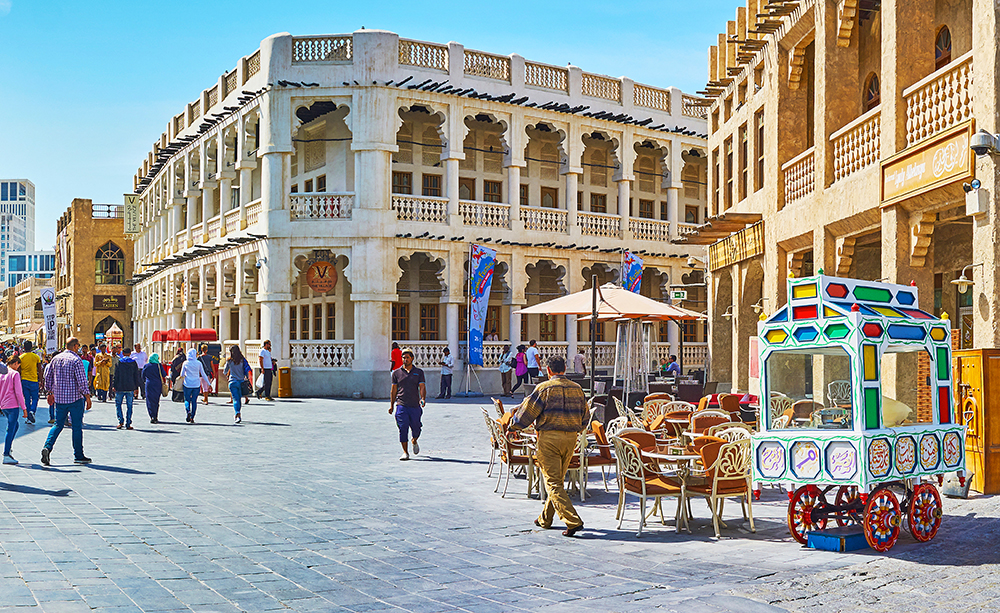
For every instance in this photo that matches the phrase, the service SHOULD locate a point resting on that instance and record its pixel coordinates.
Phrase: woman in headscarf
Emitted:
(194, 375)
(102, 373)
(152, 381)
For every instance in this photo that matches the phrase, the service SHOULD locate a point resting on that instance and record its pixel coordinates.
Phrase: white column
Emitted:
(674, 210)
(192, 204)
(624, 192)
(571, 340)
(246, 191)
(244, 332)
(572, 187)
(515, 324)
(451, 328)
(514, 197)
(176, 223)
(225, 196)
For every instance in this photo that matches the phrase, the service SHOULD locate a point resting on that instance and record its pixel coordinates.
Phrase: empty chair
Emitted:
(838, 393)
(640, 480)
(778, 405)
(498, 405)
(727, 475)
(494, 445)
(700, 422)
(803, 409)
(732, 431)
(730, 403)
(603, 456)
(616, 425)
(514, 452)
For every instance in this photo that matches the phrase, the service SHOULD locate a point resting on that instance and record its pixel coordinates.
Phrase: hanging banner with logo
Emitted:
(131, 214)
(321, 277)
(481, 269)
(632, 273)
(48, 296)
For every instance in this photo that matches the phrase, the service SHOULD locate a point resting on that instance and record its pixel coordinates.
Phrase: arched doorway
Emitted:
(102, 327)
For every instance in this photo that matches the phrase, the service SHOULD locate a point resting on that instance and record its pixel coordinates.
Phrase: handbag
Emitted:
(165, 386)
(245, 388)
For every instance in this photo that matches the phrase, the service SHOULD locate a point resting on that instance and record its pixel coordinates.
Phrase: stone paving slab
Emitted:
(305, 507)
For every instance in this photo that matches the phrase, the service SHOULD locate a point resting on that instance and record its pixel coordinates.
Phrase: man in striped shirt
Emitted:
(558, 408)
(66, 380)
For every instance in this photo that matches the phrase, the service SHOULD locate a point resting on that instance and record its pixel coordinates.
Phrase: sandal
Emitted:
(572, 531)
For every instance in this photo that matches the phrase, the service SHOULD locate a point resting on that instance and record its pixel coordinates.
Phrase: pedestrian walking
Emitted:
(12, 403)
(558, 408)
(408, 396)
(520, 368)
(125, 381)
(532, 356)
(209, 364)
(447, 363)
(507, 363)
(194, 375)
(29, 381)
(68, 391)
(153, 383)
(395, 357)
(580, 362)
(141, 359)
(267, 369)
(102, 372)
(236, 370)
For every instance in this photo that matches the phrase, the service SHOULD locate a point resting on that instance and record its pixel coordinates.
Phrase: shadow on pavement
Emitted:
(26, 489)
(430, 458)
(118, 469)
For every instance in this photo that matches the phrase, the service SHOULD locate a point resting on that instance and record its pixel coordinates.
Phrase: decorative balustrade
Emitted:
(423, 55)
(548, 349)
(939, 100)
(251, 351)
(322, 49)
(420, 208)
(321, 206)
(232, 220)
(426, 354)
(649, 229)
(492, 352)
(687, 228)
(215, 227)
(195, 110)
(484, 214)
(599, 224)
(694, 355)
(197, 231)
(692, 106)
(254, 208)
(322, 354)
(651, 97)
(799, 173)
(544, 219)
(487, 65)
(599, 86)
(253, 65)
(856, 145)
(605, 353)
(213, 97)
(545, 76)
(232, 81)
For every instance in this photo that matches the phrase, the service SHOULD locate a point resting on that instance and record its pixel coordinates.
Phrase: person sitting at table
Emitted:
(670, 367)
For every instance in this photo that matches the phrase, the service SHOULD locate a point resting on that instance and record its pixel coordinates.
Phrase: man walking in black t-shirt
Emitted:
(407, 398)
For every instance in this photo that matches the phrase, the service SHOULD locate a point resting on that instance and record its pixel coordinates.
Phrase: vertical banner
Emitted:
(48, 296)
(481, 270)
(632, 273)
(131, 214)
(62, 255)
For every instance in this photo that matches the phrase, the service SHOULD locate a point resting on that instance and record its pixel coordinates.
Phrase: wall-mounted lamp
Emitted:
(758, 308)
(963, 282)
(729, 312)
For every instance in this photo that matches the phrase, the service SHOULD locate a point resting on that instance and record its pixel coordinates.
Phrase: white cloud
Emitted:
(4, 7)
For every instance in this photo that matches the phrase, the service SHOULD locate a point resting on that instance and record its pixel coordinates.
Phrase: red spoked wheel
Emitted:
(925, 512)
(846, 495)
(800, 512)
(881, 519)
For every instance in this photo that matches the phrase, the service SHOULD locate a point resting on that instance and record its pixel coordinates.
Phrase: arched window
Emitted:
(942, 47)
(110, 265)
(872, 97)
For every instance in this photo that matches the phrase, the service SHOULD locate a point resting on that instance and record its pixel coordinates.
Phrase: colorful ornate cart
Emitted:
(825, 426)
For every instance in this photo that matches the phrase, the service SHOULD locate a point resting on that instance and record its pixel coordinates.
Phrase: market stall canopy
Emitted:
(159, 336)
(197, 334)
(173, 335)
(613, 302)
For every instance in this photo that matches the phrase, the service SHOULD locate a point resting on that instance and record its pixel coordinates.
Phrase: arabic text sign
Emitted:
(939, 161)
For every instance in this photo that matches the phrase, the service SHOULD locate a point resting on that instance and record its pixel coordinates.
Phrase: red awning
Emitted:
(172, 335)
(197, 334)
(159, 336)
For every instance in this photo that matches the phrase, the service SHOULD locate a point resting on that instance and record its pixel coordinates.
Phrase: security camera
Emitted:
(260, 263)
(983, 143)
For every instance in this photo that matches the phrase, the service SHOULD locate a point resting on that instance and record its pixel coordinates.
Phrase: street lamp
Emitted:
(729, 312)
(963, 282)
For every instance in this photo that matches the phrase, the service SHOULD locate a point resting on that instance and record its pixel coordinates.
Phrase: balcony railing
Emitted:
(487, 65)
(856, 145)
(322, 49)
(426, 354)
(939, 100)
(484, 214)
(687, 228)
(420, 208)
(321, 206)
(600, 224)
(215, 227)
(232, 221)
(545, 76)
(423, 55)
(649, 229)
(799, 173)
(544, 219)
(322, 354)
(254, 208)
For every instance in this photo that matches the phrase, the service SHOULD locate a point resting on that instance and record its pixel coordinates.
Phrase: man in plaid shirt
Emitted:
(66, 381)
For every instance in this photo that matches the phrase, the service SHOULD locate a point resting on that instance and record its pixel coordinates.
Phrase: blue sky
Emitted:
(88, 86)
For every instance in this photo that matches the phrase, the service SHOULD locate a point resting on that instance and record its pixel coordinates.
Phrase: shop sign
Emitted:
(321, 277)
(678, 294)
(131, 214)
(109, 303)
(926, 166)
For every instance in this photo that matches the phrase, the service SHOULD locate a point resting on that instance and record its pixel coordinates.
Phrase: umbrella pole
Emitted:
(593, 333)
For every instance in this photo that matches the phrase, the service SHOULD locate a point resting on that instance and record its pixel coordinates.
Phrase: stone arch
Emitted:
(322, 160)
(721, 327)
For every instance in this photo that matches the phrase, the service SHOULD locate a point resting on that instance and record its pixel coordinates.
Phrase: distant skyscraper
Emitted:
(24, 264)
(17, 219)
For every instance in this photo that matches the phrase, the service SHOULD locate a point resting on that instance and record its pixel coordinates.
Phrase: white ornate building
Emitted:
(387, 157)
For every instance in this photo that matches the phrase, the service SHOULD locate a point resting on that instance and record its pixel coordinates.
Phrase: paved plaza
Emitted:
(305, 507)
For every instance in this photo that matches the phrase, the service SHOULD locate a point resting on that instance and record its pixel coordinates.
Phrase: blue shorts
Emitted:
(407, 419)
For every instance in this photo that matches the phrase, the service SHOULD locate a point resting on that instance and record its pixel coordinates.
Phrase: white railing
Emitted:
(232, 220)
(545, 76)
(420, 208)
(695, 355)
(687, 228)
(424, 55)
(197, 232)
(649, 229)
(693, 107)
(484, 214)
(322, 354)
(253, 211)
(605, 353)
(599, 86)
(651, 97)
(251, 351)
(215, 227)
(253, 65)
(426, 354)
(856, 145)
(544, 219)
(547, 349)
(492, 352)
(322, 49)
(799, 176)
(939, 100)
(321, 206)
(488, 65)
(599, 224)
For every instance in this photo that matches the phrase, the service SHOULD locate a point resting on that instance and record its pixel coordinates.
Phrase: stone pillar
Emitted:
(572, 187)
(244, 332)
(451, 328)
(674, 215)
(514, 197)
(908, 30)
(246, 189)
(515, 324)
(224, 328)
(225, 196)
(192, 203)
(207, 196)
(571, 341)
(624, 209)
(176, 224)
(451, 191)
